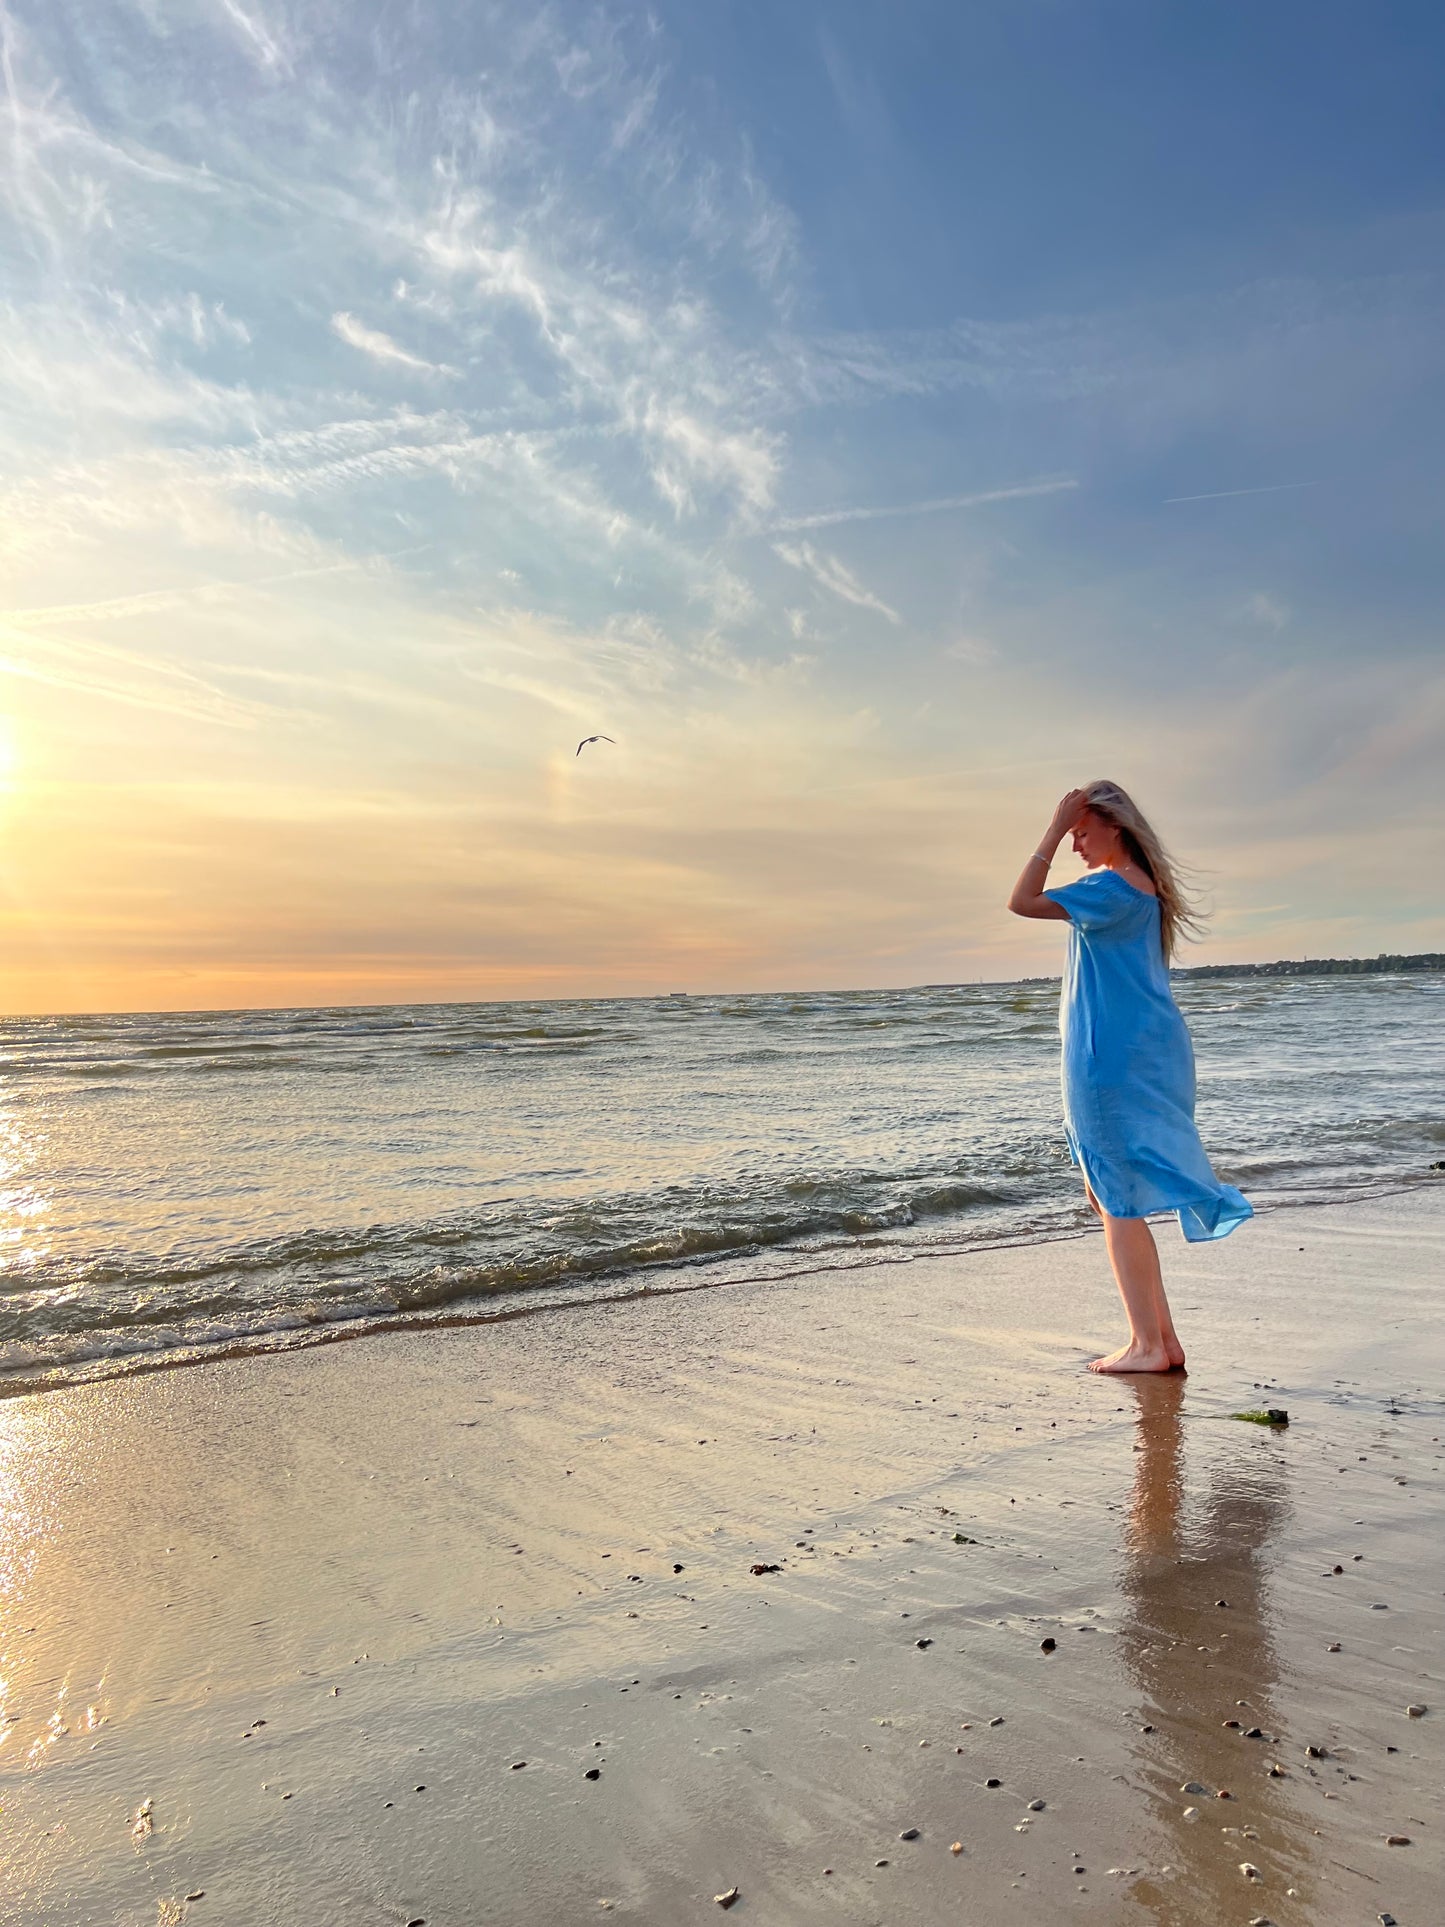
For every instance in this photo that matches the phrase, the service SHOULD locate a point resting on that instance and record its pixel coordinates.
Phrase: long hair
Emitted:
(1179, 916)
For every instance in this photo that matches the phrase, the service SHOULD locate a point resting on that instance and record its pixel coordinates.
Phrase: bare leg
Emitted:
(1153, 1343)
(1166, 1325)
(1165, 1317)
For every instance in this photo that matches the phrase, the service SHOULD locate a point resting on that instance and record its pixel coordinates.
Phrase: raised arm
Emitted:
(1028, 899)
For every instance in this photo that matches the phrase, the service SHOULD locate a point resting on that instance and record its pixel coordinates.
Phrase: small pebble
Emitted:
(1416, 1712)
(1047, 1645)
(993, 1782)
(517, 1766)
(997, 1720)
(1193, 1786)
(727, 1899)
(1253, 1733)
(1397, 1839)
(1249, 1870)
(880, 1863)
(1387, 1920)
(909, 1833)
(1276, 1771)
(1318, 1752)
(1333, 1647)
(1191, 1813)
(957, 1847)
(1036, 1806)
(593, 1773)
(922, 1643)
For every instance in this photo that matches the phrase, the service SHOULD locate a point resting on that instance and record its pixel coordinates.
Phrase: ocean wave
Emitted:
(155, 1327)
(71, 1312)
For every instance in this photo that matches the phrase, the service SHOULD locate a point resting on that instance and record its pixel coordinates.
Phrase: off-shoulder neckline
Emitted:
(1149, 896)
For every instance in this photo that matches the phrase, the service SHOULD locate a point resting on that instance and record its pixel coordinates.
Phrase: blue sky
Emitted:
(878, 419)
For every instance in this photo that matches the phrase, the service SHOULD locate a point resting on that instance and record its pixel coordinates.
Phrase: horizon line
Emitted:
(1424, 959)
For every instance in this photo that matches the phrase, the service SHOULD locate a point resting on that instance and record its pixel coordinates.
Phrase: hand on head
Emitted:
(1071, 808)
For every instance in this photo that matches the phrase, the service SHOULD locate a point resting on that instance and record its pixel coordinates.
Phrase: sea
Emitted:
(180, 1187)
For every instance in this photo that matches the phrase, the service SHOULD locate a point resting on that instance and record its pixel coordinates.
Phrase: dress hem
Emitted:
(1214, 1213)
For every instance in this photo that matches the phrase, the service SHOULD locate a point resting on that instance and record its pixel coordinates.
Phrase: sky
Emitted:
(877, 419)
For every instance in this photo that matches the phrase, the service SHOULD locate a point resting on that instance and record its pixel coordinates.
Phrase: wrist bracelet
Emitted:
(1047, 861)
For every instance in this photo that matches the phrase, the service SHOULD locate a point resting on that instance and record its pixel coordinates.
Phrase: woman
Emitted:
(1128, 1063)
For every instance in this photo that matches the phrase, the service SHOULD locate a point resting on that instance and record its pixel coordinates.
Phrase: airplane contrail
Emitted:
(1219, 494)
(829, 517)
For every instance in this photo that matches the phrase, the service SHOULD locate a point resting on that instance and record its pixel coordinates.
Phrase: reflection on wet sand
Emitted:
(1197, 1639)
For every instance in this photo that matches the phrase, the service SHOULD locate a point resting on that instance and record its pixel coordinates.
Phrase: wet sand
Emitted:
(338, 1636)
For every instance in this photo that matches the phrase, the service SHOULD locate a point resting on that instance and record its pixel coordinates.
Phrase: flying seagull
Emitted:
(594, 739)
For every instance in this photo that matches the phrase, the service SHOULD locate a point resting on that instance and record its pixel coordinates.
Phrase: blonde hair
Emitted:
(1179, 916)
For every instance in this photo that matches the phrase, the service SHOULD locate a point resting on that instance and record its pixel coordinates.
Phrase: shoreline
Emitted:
(513, 1302)
(277, 1636)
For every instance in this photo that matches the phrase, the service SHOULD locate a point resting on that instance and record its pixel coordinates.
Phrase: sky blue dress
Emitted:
(1129, 1065)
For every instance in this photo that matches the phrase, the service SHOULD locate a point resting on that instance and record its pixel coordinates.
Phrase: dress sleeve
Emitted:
(1091, 903)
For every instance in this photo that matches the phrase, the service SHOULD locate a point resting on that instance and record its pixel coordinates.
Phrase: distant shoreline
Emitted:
(1317, 966)
(1282, 967)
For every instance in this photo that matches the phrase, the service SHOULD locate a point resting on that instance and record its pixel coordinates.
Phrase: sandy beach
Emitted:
(468, 1625)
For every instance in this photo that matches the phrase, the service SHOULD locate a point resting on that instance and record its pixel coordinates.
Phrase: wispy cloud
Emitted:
(834, 576)
(381, 347)
(157, 601)
(689, 450)
(267, 45)
(1267, 610)
(131, 678)
(976, 651)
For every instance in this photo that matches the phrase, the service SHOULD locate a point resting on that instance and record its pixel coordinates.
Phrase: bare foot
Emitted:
(1175, 1353)
(1135, 1358)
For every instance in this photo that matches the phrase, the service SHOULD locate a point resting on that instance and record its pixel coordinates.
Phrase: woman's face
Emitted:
(1096, 840)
